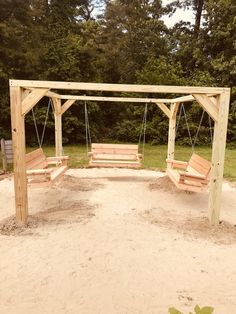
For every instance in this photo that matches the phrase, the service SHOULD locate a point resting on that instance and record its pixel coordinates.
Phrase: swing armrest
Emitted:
(61, 160)
(177, 163)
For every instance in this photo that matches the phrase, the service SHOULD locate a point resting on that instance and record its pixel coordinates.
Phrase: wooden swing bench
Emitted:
(190, 176)
(114, 155)
(7, 153)
(38, 172)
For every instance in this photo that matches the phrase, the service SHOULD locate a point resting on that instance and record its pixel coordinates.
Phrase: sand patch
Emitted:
(66, 213)
(192, 227)
(4, 175)
(76, 184)
(164, 184)
(148, 248)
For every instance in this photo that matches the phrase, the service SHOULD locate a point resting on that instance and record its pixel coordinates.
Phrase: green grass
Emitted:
(154, 157)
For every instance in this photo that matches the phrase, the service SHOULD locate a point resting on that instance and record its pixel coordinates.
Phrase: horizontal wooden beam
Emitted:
(118, 99)
(187, 98)
(208, 105)
(115, 99)
(117, 87)
(104, 98)
(124, 99)
(107, 98)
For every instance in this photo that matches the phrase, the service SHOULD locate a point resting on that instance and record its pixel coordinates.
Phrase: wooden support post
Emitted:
(58, 134)
(18, 140)
(58, 126)
(172, 129)
(218, 155)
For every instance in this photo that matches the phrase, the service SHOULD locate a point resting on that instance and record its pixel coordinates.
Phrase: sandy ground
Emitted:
(116, 241)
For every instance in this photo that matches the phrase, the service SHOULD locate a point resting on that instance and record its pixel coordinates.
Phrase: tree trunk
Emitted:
(199, 9)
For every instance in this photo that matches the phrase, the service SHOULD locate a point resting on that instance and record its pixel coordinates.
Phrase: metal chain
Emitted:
(36, 128)
(40, 140)
(210, 129)
(193, 142)
(45, 122)
(87, 128)
(180, 112)
(198, 129)
(143, 130)
(186, 120)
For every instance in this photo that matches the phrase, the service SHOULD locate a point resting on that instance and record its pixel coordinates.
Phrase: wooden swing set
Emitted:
(24, 95)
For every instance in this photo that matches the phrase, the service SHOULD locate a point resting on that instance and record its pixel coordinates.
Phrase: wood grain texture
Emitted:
(196, 174)
(218, 156)
(19, 164)
(172, 132)
(115, 155)
(117, 87)
(31, 100)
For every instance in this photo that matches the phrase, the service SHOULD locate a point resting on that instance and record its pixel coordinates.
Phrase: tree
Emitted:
(197, 6)
(132, 32)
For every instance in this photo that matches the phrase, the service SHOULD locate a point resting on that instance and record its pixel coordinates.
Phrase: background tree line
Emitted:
(127, 43)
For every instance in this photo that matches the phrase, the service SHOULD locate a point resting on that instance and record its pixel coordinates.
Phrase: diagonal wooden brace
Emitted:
(31, 100)
(67, 105)
(208, 105)
(164, 108)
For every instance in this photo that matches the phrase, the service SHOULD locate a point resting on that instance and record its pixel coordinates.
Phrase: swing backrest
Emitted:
(36, 159)
(200, 165)
(114, 151)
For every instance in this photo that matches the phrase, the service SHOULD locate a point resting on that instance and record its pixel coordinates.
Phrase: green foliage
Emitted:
(161, 71)
(127, 43)
(197, 310)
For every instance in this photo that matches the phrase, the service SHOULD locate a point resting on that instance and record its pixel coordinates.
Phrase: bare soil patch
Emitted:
(164, 184)
(77, 184)
(64, 213)
(4, 175)
(148, 248)
(192, 228)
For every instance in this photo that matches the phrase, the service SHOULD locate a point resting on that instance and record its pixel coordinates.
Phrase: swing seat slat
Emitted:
(38, 172)
(195, 176)
(115, 155)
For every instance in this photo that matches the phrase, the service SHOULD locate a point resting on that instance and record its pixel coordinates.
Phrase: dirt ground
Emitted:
(116, 241)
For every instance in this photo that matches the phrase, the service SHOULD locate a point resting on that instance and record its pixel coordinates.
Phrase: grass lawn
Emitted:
(154, 157)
